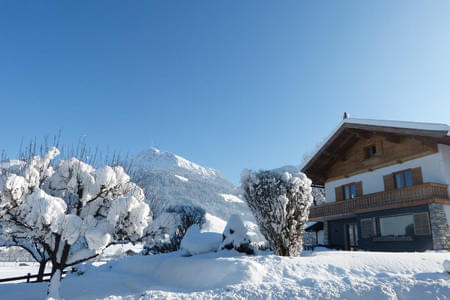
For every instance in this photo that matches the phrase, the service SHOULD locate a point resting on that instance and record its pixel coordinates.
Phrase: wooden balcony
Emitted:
(409, 196)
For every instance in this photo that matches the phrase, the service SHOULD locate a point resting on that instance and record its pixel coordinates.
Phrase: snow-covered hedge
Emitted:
(280, 201)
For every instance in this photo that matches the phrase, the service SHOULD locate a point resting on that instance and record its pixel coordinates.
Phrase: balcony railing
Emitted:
(413, 195)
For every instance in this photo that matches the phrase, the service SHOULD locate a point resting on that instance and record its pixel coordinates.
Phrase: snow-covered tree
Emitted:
(71, 209)
(20, 236)
(280, 201)
(168, 229)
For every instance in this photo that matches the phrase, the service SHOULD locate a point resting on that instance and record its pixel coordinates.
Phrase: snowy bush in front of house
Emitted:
(168, 229)
(447, 266)
(72, 210)
(235, 236)
(196, 242)
(280, 201)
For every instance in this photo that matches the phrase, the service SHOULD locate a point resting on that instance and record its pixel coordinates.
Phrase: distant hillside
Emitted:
(176, 180)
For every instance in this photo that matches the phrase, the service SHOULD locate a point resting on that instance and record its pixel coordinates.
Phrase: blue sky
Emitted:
(226, 84)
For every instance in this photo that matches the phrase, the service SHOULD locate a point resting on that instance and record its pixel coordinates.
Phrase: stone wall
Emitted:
(325, 234)
(439, 227)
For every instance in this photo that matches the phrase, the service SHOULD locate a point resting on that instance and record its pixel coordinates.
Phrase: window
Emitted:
(370, 151)
(403, 179)
(396, 226)
(349, 191)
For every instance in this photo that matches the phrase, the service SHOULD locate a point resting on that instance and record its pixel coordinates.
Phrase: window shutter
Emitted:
(389, 182)
(358, 189)
(422, 224)
(339, 193)
(367, 228)
(417, 176)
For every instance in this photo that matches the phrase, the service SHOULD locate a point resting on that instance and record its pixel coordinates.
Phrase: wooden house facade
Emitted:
(387, 186)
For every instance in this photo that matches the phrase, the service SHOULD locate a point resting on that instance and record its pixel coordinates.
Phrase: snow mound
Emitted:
(447, 266)
(235, 236)
(195, 242)
(316, 275)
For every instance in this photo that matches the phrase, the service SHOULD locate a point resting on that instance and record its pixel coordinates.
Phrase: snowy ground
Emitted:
(317, 275)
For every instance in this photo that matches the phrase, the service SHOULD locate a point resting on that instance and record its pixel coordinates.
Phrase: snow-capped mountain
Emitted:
(176, 180)
(154, 159)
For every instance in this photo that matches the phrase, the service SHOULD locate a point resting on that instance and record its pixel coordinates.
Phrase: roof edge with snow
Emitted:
(435, 130)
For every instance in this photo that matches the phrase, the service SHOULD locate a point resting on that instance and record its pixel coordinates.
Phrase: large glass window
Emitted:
(397, 226)
(403, 179)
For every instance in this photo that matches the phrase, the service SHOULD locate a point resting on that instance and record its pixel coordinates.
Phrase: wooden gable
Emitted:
(388, 151)
(345, 152)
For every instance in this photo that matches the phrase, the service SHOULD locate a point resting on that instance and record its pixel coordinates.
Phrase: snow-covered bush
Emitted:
(447, 266)
(235, 236)
(168, 229)
(71, 209)
(195, 242)
(280, 201)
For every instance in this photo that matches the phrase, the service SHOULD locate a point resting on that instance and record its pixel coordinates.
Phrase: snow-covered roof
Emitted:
(439, 130)
(400, 124)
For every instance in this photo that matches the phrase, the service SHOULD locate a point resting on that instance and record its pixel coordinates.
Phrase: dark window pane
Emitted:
(352, 191)
(408, 178)
(397, 226)
(346, 192)
(374, 150)
(399, 180)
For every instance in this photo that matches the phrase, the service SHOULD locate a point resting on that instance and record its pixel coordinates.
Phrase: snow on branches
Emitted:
(72, 209)
(279, 200)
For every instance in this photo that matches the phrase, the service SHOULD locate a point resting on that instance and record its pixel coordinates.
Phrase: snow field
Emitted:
(229, 275)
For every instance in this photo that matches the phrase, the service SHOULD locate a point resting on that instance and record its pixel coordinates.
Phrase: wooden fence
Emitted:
(28, 277)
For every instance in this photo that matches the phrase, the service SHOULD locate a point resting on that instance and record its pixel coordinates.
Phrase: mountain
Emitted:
(176, 180)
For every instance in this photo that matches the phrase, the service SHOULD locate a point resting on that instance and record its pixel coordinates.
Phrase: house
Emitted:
(387, 186)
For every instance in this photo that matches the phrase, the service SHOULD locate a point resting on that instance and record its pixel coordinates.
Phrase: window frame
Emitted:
(349, 185)
(376, 234)
(369, 151)
(402, 172)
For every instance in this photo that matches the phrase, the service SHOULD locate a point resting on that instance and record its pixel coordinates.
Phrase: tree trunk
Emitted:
(53, 292)
(41, 271)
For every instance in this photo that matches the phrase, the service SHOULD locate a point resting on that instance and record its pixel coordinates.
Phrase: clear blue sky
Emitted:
(227, 84)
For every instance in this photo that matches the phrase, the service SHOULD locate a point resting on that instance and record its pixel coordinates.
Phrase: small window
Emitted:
(403, 179)
(370, 151)
(349, 191)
